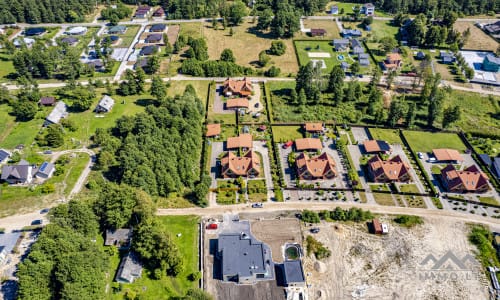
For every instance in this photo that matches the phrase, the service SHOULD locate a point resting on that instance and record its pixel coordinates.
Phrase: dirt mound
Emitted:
(319, 267)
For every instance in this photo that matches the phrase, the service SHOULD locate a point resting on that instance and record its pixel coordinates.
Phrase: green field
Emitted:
(6, 66)
(389, 135)
(426, 141)
(257, 191)
(287, 133)
(169, 287)
(127, 37)
(23, 132)
(305, 47)
(408, 188)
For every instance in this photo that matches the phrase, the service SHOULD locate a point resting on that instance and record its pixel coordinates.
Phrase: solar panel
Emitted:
(43, 166)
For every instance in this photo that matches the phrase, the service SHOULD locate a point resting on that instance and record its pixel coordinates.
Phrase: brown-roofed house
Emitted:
(318, 32)
(236, 103)
(213, 130)
(314, 127)
(316, 167)
(241, 141)
(376, 146)
(241, 88)
(392, 170)
(234, 166)
(160, 12)
(447, 155)
(308, 144)
(47, 101)
(393, 61)
(470, 179)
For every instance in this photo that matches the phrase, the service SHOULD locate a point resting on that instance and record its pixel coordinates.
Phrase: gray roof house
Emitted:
(495, 167)
(7, 243)
(69, 40)
(355, 43)
(118, 29)
(4, 156)
(130, 269)
(154, 38)
(344, 66)
(341, 44)
(105, 104)
(46, 170)
(20, 173)
(119, 237)
(60, 111)
(364, 59)
(243, 259)
(293, 273)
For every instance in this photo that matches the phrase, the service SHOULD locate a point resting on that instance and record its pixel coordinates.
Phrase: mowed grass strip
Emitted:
(287, 133)
(389, 135)
(421, 141)
(332, 30)
(246, 44)
(304, 48)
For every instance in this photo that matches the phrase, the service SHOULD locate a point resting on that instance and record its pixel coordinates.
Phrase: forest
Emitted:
(44, 11)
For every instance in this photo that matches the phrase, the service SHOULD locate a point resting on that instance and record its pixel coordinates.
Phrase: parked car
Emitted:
(287, 144)
(45, 210)
(432, 159)
(257, 205)
(420, 155)
(314, 230)
(47, 152)
(37, 222)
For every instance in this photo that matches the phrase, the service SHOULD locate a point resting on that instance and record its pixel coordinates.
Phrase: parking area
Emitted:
(360, 134)
(218, 107)
(260, 147)
(217, 148)
(287, 171)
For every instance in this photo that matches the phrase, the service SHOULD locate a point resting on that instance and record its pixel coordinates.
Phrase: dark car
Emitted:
(37, 222)
(45, 210)
(257, 205)
(314, 230)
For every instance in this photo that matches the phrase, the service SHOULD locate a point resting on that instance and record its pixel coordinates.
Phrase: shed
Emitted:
(69, 40)
(308, 144)
(46, 170)
(374, 146)
(318, 32)
(213, 130)
(47, 101)
(376, 227)
(314, 127)
(118, 237)
(448, 155)
(293, 273)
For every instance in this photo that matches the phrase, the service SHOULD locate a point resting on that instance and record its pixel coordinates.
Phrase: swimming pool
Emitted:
(340, 57)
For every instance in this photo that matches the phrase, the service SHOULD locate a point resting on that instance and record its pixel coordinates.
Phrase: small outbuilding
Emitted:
(47, 101)
(308, 144)
(213, 130)
(130, 268)
(120, 238)
(69, 40)
(105, 104)
(293, 273)
(46, 170)
(317, 32)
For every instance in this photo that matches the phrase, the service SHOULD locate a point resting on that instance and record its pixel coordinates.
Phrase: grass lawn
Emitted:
(304, 48)
(384, 199)
(170, 287)
(478, 40)
(379, 187)
(246, 44)
(178, 87)
(128, 37)
(389, 135)
(332, 30)
(227, 194)
(415, 201)
(287, 133)
(6, 65)
(426, 141)
(7, 123)
(24, 132)
(379, 29)
(192, 29)
(408, 188)
(257, 191)
(347, 6)
(488, 200)
(226, 131)
(74, 171)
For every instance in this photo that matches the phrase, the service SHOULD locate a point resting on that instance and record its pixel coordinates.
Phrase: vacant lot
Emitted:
(366, 266)
(246, 44)
(389, 135)
(287, 133)
(379, 29)
(6, 66)
(276, 233)
(478, 40)
(332, 30)
(426, 141)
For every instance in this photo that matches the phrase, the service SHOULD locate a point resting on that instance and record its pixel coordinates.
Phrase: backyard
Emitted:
(257, 191)
(320, 50)
(478, 40)
(389, 135)
(332, 30)
(421, 141)
(287, 133)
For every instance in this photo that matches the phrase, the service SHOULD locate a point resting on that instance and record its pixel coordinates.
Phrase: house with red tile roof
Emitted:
(314, 127)
(308, 144)
(315, 167)
(236, 103)
(242, 88)
(213, 130)
(234, 166)
(447, 155)
(392, 170)
(469, 180)
(242, 141)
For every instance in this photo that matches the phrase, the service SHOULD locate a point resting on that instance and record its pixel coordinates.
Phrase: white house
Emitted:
(4, 156)
(334, 10)
(105, 104)
(60, 111)
(46, 170)
(78, 30)
(368, 9)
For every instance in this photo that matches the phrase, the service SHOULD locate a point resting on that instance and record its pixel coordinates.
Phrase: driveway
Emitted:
(261, 148)
(254, 104)
(218, 103)
(360, 134)
(287, 171)
(355, 152)
(217, 148)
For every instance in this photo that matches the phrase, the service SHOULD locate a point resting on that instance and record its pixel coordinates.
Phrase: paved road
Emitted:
(124, 63)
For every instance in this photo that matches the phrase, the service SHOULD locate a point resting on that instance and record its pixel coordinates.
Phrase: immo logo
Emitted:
(448, 267)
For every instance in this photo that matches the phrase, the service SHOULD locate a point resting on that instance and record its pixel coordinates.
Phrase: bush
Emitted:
(317, 248)
(47, 188)
(277, 48)
(195, 276)
(273, 72)
(310, 216)
(408, 221)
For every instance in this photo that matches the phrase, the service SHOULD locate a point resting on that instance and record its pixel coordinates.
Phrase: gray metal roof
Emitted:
(19, 171)
(4, 154)
(364, 62)
(106, 103)
(46, 168)
(8, 241)
(117, 237)
(293, 271)
(341, 42)
(363, 56)
(130, 268)
(355, 43)
(60, 111)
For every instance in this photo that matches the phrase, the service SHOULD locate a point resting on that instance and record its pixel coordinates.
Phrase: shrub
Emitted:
(310, 216)
(277, 48)
(408, 221)
(317, 248)
(273, 72)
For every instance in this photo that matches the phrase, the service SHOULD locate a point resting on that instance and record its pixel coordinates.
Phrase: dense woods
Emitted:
(44, 11)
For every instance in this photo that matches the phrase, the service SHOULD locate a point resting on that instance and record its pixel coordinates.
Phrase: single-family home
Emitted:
(21, 173)
(118, 29)
(491, 63)
(71, 41)
(112, 39)
(314, 127)
(154, 38)
(142, 62)
(105, 104)
(293, 273)
(368, 9)
(242, 88)
(317, 32)
(341, 44)
(393, 61)
(4, 156)
(244, 141)
(243, 259)
(149, 50)
(364, 59)
(315, 167)
(308, 144)
(130, 268)
(493, 28)
(447, 155)
(237, 103)
(346, 33)
(47, 101)
(470, 179)
(158, 28)
(213, 130)
(334, 9)
(376, 146)
(60, 111)
(159, 13)
(392, 170)
(357, 47)
(78, 30)
(34, 31)
(19, 42)
(142, 12)
(234, 166)
(46, 170)
(121, 238)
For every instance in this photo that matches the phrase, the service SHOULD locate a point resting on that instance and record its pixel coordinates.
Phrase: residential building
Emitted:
(392, 170)
(470, 179)
(243, 259)
(315, 167)
(142, 62)
(317, 32)
(105, 104)
(18, 42)
(293, 273)
(334, 9)
(130, 268)
(121, 238)
(7, 243)
(60, 111)
(234, 166)
(71, 41)
(393, 61)
(149, 50)
(97, 64)
(368, 9)
(493, 28)
(314, 127)
(357, 47)
(344, 66)
(118, 29)
(78, 30)
(242, 141)
(142, 12)
(308, 144)
(341, 44)
(154, 38)
(213, 130)
(495, 167)
(4, 156)
(17, 174)
(364, 59)
(237, 103)
(34, 31)
(346, 33)
(242, 88)
(47, 101)
(420, 55)
(159, 13)
(447, 155)
(376, 146)
(113, 39)
(158, 28)
(46, 170)
(491, 63)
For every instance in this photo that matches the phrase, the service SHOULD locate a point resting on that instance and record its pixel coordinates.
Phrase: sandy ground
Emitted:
(318, 54)
(277, 233)
(365, 266)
